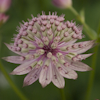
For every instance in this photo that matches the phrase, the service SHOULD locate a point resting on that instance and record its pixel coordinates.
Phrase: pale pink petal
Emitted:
(23, 68)
(89, 45)
(45, 75)
(68, 73)
(67, 43)
(84, 56)
(57, 79)
(78, 66)
(32, 76)
(14, 59)
(77, 49)
(10, 48)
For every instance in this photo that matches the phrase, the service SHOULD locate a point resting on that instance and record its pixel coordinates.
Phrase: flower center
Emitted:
(48, 49)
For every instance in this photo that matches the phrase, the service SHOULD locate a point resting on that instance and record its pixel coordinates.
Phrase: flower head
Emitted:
(62, 3)
(47, 49)
(3, 18)
(4, 5)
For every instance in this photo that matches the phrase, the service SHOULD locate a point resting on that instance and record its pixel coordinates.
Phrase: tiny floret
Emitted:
(48, 51)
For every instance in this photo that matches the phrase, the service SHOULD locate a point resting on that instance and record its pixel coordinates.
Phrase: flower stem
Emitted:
(17, 91)
(90, 32)
(92, 74)
(62, 94)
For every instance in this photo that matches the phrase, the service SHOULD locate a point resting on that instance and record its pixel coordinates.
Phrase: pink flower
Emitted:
(62, 3)
(47, 49)
(4, 5)
(3, 18)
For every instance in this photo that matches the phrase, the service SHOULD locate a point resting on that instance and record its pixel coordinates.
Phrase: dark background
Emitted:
(74, 89)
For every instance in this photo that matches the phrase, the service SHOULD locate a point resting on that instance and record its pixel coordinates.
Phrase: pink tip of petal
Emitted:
(13, 73)
(25, 84)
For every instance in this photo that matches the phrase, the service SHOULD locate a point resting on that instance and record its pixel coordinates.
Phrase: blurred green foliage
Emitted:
(74, 89)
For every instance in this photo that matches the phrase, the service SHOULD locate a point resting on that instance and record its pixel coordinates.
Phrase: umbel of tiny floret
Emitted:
(47, 50)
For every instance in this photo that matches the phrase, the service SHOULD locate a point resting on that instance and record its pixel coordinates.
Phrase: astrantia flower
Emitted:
(47, 49)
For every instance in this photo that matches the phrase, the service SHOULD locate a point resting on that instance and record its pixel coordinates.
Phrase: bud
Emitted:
(62, 3)
(3, 18)
(4, 5)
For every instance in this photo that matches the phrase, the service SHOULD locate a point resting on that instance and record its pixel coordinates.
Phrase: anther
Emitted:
(66, 34)
(18, 49)
(34, 31)
(26, 24)
(57, 23)
(25, 33)
(75, 46)
(69, 48)
(25, 45)
(81, 45)
(49, 54)
(79, 37)
(79, 57)
(40, 52)
(43, 28)
(48, 26)
(59, 28)
(60, 19)
(22, 58)
(63, 26)
(51, 21)
(57, 38)
(31, 23)
(18, 36)
(30, 28)
(54, 45)
(74, 59)
(74, 36)
(66, 64)
(49, 32)
(44, 23)
(15, 44)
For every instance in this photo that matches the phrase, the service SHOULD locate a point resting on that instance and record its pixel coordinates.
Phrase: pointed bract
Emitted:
(10, 47)
(78, 66)
(14, 59)
(68, 73)
(57, 79)
(23, 68)
(45, 75)
(32, 77)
